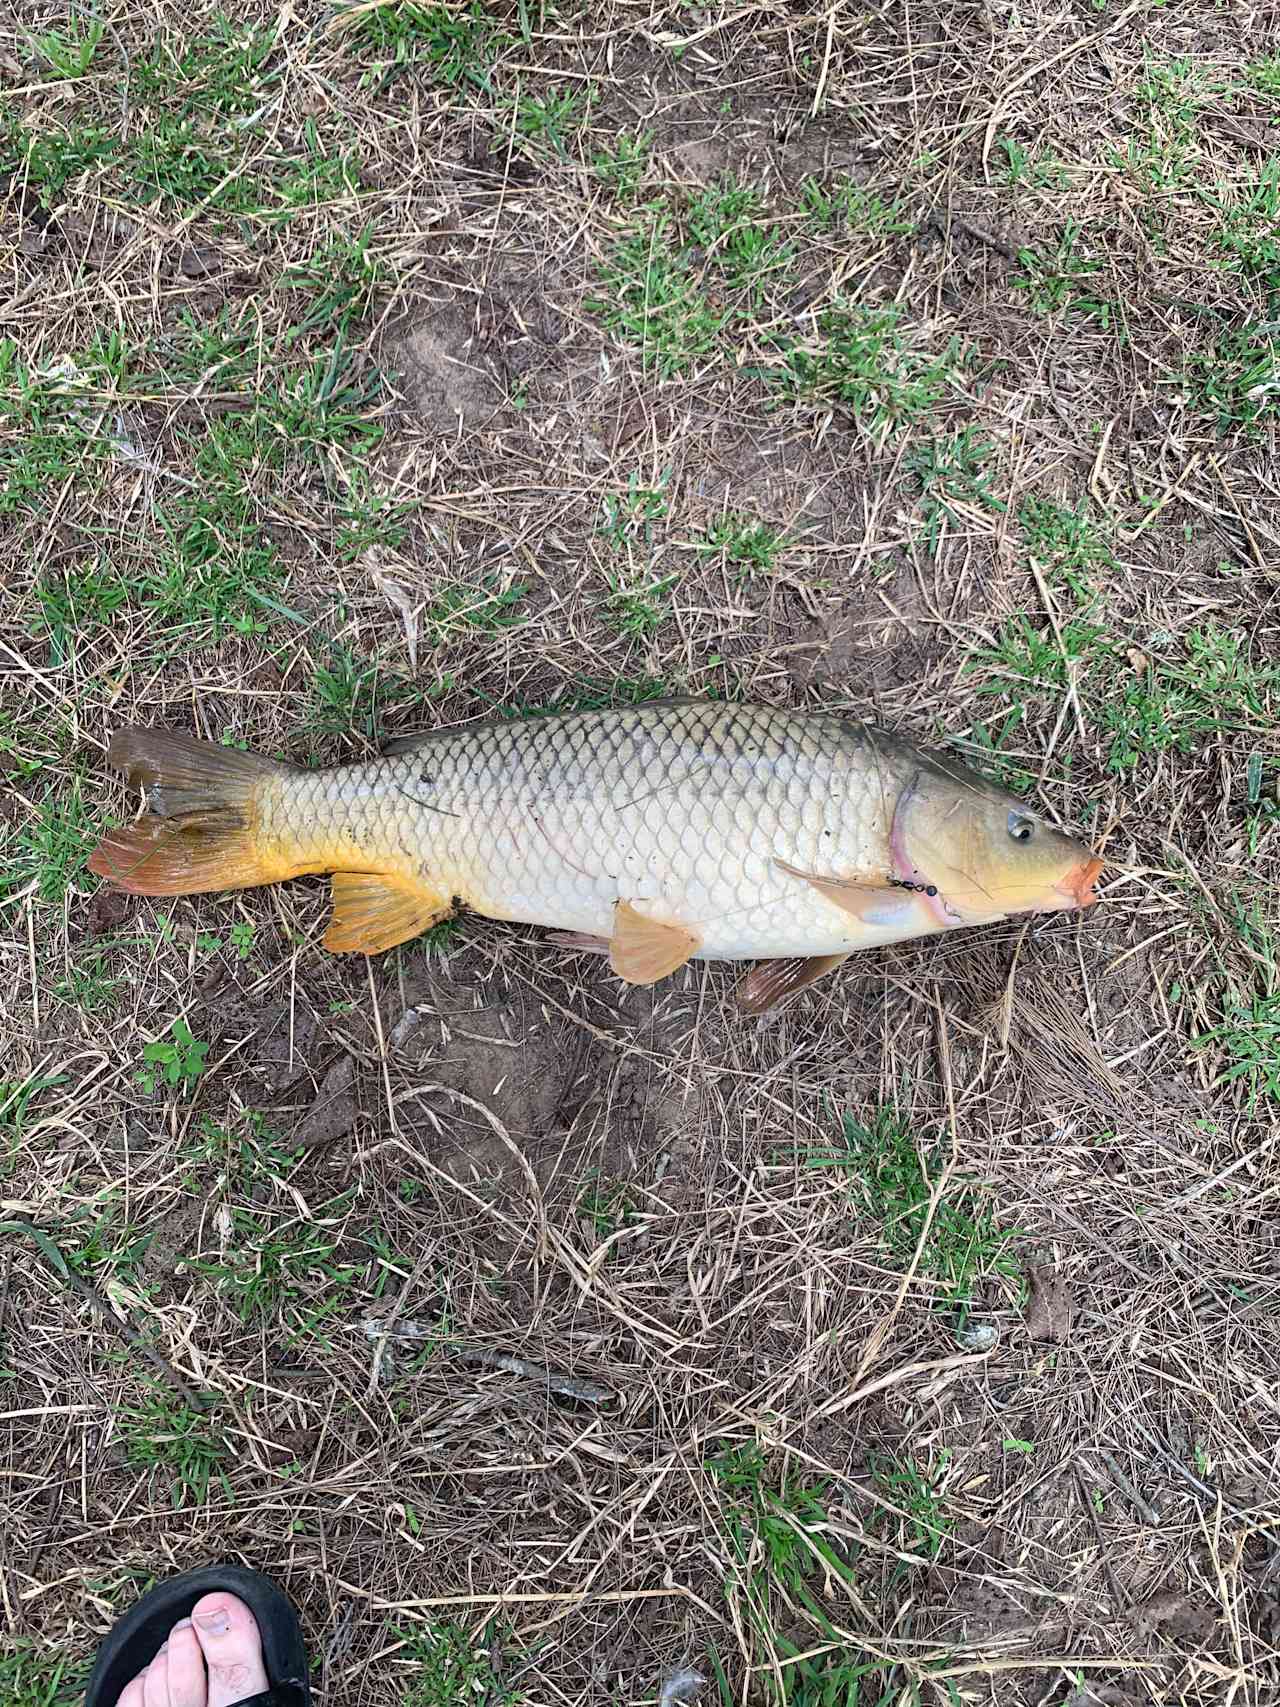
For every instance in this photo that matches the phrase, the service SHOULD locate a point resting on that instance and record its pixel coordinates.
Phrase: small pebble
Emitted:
(977, 1336)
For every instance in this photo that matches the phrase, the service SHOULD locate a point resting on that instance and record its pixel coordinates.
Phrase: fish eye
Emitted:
(1020, 828)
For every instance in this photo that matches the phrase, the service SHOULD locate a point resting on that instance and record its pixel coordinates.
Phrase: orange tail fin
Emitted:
(200, 831)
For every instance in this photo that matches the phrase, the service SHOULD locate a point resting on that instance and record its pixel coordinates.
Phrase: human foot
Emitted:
(212, 1659)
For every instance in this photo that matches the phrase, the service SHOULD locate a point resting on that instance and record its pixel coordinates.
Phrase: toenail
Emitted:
(182, 1624)
(216, 1623)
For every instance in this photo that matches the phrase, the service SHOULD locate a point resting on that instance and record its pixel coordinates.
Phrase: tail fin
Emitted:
(200, 831)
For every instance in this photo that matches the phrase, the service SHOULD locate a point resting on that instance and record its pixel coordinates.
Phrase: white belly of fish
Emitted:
(740, 907)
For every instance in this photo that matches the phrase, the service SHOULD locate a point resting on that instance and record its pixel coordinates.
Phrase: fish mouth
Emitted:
(1077, 887)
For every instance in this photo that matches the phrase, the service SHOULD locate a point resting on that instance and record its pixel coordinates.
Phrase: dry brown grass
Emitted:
(499, 1149)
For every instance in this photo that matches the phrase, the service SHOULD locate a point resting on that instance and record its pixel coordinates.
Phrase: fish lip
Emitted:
(1078, 887)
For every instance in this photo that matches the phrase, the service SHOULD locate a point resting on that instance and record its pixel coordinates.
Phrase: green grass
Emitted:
(639, 603)
(225, 72)
(986, 751)
(843, 204)
(1168, 695)
(748, 547)
(1064, 279)
(34, 1676)
(631, 517)
(440, 940)
(182, 1449)
(47, 852)
(1067, 540)
(654, 300)
(551, 119)
(721, 209)
(48, 428)
(1037, 171)
(205, 143)
(175, 162)
(1248, 233)
(781, 1561)
(95, 1242)
(336, 283)
(207, 572)
(16, 1099)
(474, 611)
(1163, 155)
(1028, 653)
(457, 48)
(1233, 378)
(245, 1151)
(352, 696)
(726, 222)
(288, 1272)
(1207, 684)
(1246, 1040)
(196, 563)
(890, 1177)
(953, 472)
(622, 167)
(1214, 687)
(702, 282)
(71, 52)
(685, 279)
(447, 1664)
(592, 693)
(924, 1525)
(788, 1558)
(865, 363)
(363, 517)
(606, 1205)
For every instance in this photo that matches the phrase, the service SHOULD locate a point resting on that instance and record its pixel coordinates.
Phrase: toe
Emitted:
(228, 1636)
(188, 1682)
(131, 1694)
(155, 1683)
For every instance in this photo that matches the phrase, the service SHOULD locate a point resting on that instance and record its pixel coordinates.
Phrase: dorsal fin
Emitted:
(398, 744)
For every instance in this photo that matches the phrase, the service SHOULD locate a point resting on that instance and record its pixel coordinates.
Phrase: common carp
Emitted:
(657, 833)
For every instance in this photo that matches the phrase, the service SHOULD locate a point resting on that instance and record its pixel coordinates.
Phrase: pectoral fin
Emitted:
(373, 912)
(872, 900)
(642, 950)
(774, 980)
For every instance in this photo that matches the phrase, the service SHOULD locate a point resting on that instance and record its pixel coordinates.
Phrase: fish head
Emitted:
(987, 854)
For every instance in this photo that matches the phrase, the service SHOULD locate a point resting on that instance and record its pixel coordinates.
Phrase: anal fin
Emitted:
(774, 980)
(373, 912)
(642, 949)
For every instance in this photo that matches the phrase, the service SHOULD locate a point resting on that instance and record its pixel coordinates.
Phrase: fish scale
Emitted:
(680, 809)
(657, 833)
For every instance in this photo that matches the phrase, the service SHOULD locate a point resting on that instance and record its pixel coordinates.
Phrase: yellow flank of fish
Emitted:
(656, 834)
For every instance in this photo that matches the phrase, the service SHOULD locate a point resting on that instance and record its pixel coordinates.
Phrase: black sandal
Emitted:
(134, 1640)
